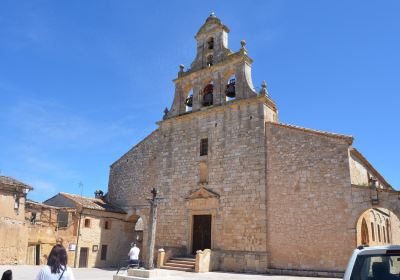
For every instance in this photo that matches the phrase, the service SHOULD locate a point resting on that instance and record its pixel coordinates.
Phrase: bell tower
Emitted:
(217, 76)
(212, 43)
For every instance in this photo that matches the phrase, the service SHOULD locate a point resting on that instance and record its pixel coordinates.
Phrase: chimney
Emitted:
(99, 194)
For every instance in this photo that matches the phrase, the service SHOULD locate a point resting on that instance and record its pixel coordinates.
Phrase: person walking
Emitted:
(134, 255)
(56, 268)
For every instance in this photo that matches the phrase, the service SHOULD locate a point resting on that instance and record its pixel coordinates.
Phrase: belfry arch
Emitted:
(208, 95)
(230, 88)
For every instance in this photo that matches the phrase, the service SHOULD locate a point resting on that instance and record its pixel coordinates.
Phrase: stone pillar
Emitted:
(197, 96)
(160, 257)
(152, 233)
(152, 227)
(218, 89)
(203, 261)
(178, 107)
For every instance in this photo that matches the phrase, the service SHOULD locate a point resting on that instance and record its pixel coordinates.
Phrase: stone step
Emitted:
(187, 269)
(181, 262)
(183, 259)
(183, 265)
(126, 277)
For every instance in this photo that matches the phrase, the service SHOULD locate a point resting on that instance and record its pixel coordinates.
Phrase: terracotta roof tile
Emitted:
(9, 181)
(347, 138)
(92, 203)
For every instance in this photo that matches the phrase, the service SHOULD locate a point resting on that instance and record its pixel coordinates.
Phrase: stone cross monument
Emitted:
(152, 228)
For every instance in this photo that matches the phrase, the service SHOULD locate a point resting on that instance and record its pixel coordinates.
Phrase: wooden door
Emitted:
(83, 257)
(30, 255)
(37, 254)
(201, 233)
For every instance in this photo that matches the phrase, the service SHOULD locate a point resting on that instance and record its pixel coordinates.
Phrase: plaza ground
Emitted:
(27, 272)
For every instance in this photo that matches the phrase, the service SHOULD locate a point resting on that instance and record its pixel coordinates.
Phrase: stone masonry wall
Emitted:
(359, 173)
(308, 200)
(117, 238)
(45, 232)
(13, 232)
(388, 201)
(169, 160)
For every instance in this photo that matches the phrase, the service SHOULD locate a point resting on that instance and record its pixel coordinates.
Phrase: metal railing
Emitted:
(125, 265)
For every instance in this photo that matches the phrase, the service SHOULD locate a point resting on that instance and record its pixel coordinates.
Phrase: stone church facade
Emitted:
(262, 195)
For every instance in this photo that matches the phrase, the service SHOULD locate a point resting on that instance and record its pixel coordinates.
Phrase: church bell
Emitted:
(230, 89)
(189, 101)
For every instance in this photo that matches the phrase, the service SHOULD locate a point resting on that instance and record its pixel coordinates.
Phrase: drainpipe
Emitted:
(77, 238)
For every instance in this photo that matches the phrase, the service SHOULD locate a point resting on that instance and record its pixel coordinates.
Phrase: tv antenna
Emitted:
(80, 185)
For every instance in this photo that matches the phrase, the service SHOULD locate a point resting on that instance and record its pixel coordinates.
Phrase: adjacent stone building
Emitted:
(89, 231)
(46, 226)
(94, 233)
(13, 232)
(262, 195)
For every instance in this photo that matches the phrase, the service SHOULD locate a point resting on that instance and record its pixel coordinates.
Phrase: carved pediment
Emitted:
(202, 199)
(202, 193)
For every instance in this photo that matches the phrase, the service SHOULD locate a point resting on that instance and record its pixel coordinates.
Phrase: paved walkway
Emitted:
(27, 272)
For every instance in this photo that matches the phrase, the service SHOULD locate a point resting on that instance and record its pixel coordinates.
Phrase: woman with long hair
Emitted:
(56, 268)
(7, 275)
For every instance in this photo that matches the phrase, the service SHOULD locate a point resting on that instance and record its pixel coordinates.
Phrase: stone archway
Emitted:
(364, 233)
(378, 226)
(139, 234)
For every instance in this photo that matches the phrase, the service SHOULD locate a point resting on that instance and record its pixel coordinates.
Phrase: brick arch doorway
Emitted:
(378, 226)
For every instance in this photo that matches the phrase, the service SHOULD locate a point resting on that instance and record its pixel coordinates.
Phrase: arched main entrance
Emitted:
(378, 226)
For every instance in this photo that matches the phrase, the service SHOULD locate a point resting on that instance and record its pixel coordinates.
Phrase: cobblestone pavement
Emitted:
(27, 272)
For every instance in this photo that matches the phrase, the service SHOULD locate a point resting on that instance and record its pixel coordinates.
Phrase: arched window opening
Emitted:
(384, 234)
(388, 231)
(210, 60)
(379, 234)
(208, 95)
(364, 233)
(210, 43)
(377, 222)
(373, 231)
(189, 102)
(230, 91)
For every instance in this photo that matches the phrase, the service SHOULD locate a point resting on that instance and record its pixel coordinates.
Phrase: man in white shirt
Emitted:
(134, 255)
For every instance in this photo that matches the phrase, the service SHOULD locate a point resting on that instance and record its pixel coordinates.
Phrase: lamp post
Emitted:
(374, 187)
(153, 224)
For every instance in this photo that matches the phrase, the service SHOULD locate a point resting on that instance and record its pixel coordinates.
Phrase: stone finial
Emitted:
(166, 111)
(212, 14)
(264, 90)
(243, 44)
(264, 84)
(181, 67)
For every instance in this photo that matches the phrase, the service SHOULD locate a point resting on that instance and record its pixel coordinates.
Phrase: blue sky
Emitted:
(83, 81)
